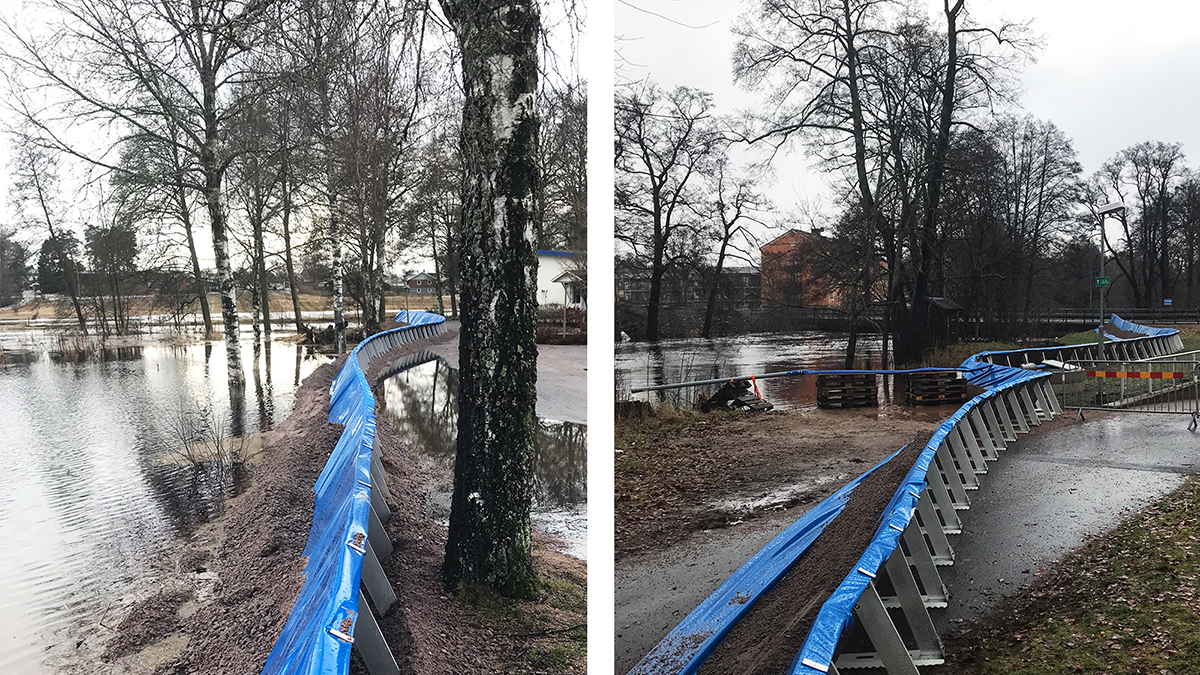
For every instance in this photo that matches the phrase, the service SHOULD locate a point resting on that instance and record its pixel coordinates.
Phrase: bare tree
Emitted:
(733, 203)
(146, 68)
(35, 191)
(664, 144)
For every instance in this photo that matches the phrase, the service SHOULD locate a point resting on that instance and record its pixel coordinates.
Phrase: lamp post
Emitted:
(1113, 208)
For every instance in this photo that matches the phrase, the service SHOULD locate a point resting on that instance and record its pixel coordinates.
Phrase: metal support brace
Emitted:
(371, 646)
(966, 463)
(952, 477)
(942, 501)
(376, 582)
(1014, 410)
(978, 456)
(942, 552)
(1040, 407)
(994, 434)
(918, 555)
(1026, 406)
(378, 475)
(1048, 392)
(890, 652)
(377, 535)
(995, 404)
(380, 506)
(913, 606)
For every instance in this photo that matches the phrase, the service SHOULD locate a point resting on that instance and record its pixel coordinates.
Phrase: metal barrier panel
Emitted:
(324, 621)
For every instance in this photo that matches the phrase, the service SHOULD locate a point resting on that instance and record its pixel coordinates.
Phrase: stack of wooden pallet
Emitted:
(935, 388)
(854, 390)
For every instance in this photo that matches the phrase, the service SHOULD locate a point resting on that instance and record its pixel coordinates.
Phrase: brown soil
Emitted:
(1113, 330)
(766, 640)
(149, 621)
(245, 570)
(679, 472)
(434, 632)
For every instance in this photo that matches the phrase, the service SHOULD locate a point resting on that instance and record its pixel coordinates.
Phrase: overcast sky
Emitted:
(1111, 74)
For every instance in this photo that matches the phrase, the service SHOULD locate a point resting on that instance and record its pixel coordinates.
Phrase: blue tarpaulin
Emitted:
(317, 636)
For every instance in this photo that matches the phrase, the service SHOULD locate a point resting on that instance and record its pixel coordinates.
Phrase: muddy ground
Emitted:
(679, 473)
(228, 589)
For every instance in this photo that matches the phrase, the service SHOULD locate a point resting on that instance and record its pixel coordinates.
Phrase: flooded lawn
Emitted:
(424, 401)
(103, 469)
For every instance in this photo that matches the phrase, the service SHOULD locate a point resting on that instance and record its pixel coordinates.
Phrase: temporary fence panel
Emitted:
(346, 537)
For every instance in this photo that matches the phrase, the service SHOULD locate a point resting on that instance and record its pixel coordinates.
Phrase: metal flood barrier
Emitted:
(331, 615)
(879, 616)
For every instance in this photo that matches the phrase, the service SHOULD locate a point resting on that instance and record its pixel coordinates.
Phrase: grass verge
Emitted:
(545, 635)
(1125, 602)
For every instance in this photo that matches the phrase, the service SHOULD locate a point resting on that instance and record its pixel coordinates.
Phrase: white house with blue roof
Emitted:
(560, 280)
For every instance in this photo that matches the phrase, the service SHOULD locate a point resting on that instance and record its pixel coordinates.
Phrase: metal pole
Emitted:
(1100, 290)
(788, 373)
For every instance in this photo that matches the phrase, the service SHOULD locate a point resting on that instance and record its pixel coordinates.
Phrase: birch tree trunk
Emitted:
(489, 540)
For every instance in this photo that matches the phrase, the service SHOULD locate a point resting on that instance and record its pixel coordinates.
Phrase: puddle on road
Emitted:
(423, 400)
(782, 497)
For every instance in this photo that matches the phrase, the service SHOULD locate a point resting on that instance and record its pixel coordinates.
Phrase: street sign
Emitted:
(1103, 282)
(1167, 302)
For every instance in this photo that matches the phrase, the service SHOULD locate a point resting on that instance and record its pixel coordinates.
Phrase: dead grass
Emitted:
(953, 355)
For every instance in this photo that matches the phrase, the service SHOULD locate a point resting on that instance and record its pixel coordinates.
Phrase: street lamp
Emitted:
(1103, 282)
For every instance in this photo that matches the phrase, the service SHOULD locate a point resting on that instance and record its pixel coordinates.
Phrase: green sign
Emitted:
(1103, 282)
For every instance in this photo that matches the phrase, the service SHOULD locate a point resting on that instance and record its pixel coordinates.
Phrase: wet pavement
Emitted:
(1047, 492)
(561, 380)
(1038, 501)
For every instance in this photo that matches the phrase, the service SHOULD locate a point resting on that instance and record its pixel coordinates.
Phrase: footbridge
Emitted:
(332, 616)
(880, 614)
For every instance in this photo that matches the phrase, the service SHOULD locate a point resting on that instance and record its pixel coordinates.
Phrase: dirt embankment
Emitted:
(239, 575)
(766, 640)
(681, 472)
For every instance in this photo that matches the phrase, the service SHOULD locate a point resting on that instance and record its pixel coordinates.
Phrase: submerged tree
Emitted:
(490, 540)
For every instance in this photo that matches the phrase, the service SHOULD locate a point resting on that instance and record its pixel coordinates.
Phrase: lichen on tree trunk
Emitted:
(489, 541)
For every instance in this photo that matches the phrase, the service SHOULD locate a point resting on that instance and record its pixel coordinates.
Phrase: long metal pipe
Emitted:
(789, 373)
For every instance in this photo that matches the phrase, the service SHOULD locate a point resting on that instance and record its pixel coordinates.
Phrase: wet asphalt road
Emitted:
(1047, 492)
(561, 379)
(1038, 501)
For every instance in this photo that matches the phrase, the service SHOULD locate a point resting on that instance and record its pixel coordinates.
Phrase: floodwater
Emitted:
(93, 488)
(641, 363)
(424, 401)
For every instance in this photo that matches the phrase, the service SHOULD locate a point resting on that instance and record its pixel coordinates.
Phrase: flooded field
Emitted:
(424, 400)
(640, 364)
(101, 473)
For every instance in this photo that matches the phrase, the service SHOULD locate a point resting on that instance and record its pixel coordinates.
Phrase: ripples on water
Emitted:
(424, 402)
(90, 495)
(640, 364)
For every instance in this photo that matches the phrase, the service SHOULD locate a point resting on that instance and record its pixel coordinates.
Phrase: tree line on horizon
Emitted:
(307, 138)
(943, 186)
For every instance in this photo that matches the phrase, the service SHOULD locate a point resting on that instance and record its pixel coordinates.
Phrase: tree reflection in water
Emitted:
(423, 402)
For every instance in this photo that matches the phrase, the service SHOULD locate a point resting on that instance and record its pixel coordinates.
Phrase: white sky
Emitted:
(1111, 74)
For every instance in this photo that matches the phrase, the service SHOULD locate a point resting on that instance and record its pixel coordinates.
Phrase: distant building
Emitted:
(801, 269)
(686, 287)
(560, 281)
(422, 284)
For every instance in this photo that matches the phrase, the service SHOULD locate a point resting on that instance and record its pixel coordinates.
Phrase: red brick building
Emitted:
(792, 272)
